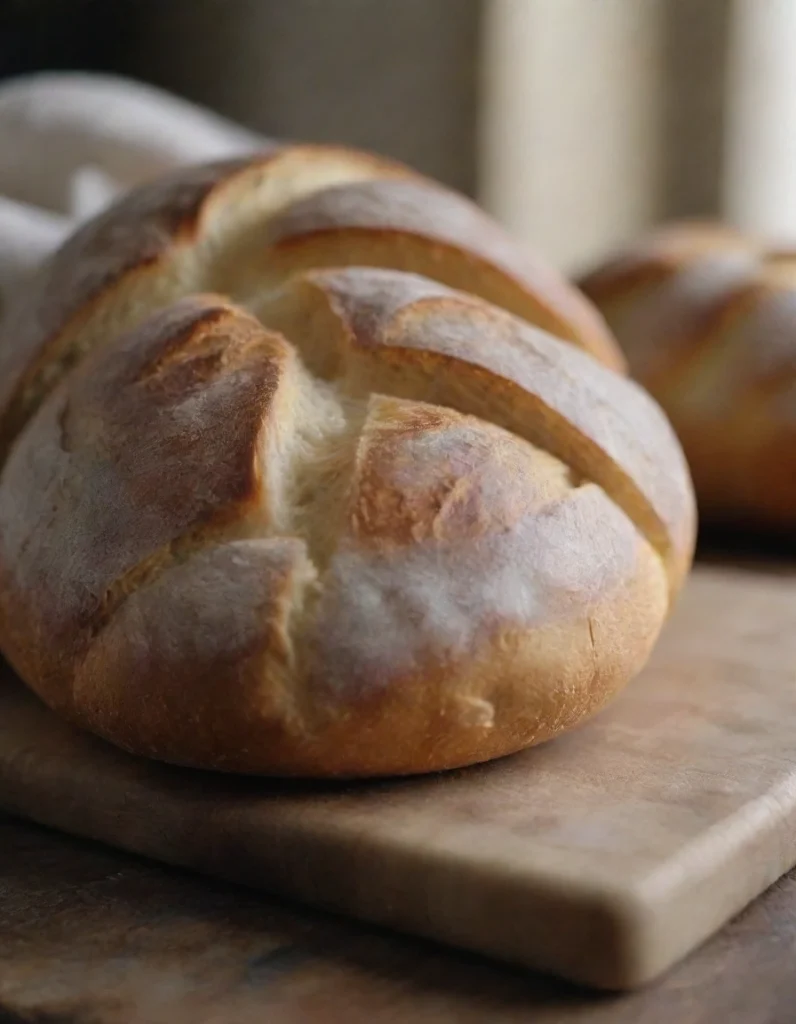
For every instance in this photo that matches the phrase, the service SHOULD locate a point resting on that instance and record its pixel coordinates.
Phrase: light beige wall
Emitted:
(571, 125)
(760, 152)
(695, 56)
(600, 117)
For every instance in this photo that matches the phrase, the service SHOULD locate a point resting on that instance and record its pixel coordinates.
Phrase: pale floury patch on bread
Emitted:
(339, 517)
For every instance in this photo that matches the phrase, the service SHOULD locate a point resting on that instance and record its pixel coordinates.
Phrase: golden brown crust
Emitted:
(372, 525)
(396, 223)
(159, 440)
(477, 596)
(207, 229)
(707, 319)
(145, 235)
(411, 336)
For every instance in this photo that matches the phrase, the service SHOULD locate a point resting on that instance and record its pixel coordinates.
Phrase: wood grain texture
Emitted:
(604, 856)
(93, 936)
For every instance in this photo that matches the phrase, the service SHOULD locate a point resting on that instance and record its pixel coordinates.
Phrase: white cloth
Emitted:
(71, 142)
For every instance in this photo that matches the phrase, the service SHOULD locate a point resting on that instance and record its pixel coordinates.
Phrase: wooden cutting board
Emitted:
(604, 856)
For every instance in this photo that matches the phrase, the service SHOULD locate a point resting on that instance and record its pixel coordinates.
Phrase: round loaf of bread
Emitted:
(707, 320)
(305, 474)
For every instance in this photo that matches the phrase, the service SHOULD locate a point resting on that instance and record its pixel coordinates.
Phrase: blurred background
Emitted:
(576, 122)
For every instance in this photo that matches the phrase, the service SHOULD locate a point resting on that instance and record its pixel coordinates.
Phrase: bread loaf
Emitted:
(707, 320)
(306, 474)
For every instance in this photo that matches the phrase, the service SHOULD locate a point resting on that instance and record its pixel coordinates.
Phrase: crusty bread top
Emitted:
(406, 335)
(207, 421)
(380, 525)
(240, 227)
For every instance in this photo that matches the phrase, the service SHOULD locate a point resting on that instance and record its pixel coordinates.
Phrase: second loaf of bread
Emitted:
(707, 319)
(287, 491)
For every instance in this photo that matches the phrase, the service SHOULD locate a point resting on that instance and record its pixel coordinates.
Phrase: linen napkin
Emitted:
(71, 142)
